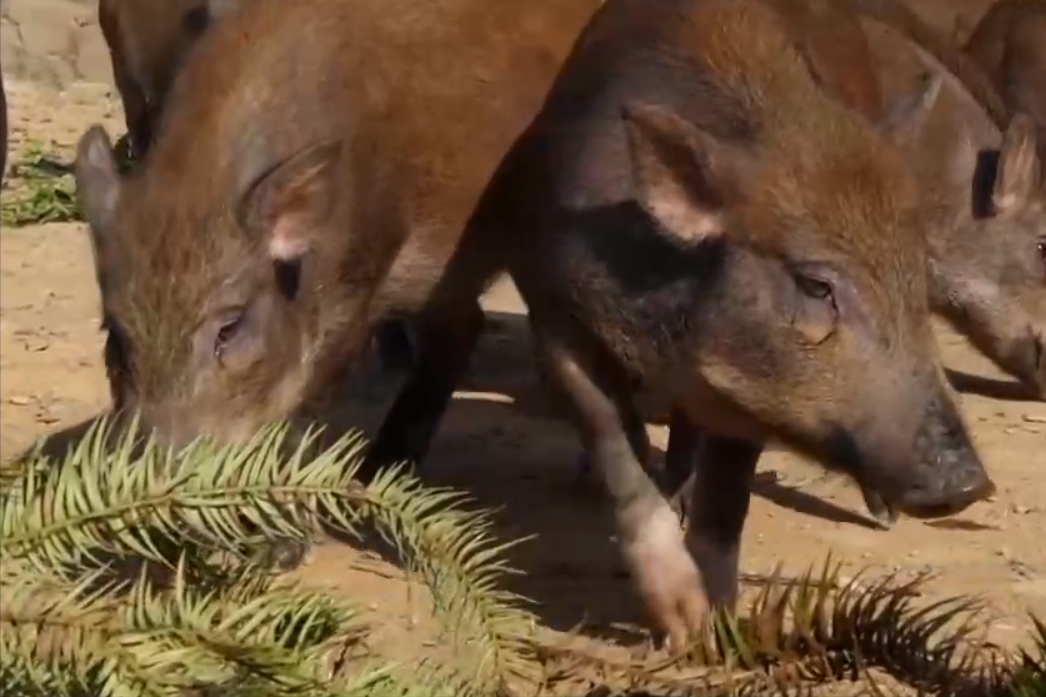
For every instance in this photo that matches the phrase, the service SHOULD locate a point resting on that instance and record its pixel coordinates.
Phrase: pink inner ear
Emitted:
(684, 216)
(287, 242)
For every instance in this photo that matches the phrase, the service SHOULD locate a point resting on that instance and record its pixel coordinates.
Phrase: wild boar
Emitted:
(987, 224)
(832, 43)
(147, 43)
(990, 215)
(692, 216)
(298, 191)
(983, 172)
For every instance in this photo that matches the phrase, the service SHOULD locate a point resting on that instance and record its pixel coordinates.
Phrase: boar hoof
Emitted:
(125, 153)
(667, 578)
(884, 519)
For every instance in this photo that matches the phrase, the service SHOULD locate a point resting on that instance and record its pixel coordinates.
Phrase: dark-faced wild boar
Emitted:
(832, 42)
(1009, 44)
(298, 190)
(147, 43)
(692, 216)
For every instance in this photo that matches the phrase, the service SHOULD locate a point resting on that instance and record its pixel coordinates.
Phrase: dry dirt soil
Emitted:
(494, 443)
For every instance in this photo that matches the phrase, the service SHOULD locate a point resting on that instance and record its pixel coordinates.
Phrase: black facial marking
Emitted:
(983, 184)
(288, 278)
(196, 20)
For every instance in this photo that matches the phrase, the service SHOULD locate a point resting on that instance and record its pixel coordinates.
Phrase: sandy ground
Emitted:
(510, 456)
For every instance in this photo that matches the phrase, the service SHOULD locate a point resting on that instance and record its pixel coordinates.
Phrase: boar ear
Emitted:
(907, 116)
(97, 180)
(288, 202)
(681, 175)
(1018, 172)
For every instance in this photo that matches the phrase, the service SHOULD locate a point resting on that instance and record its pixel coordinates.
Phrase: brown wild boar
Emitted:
(831, 40)
(690, 215)
(147, 43)
(298, 191)
(987, 228)
(1009, 44)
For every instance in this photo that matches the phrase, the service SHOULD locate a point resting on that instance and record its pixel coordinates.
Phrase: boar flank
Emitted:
(692, 216)
(298, 191)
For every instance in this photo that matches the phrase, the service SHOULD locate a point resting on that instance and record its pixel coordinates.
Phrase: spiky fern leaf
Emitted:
(222, 618)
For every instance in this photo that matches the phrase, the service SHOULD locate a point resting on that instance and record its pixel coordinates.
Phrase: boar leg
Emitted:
(677, 478)
(684, 439)
(135, 109)
(397, 345)
(723, 475)
(447, 339)
(648, 531)
(3, 128)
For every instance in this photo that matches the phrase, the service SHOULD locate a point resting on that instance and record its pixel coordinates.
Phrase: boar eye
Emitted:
(1042, 251)
(226, 333)
(815, 288)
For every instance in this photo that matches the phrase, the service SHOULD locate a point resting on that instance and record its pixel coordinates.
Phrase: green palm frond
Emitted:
(217, 614)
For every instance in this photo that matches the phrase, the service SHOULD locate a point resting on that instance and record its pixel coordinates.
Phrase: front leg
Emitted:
(648, 531)
(684, 444)
(448, 338)
(721, 493)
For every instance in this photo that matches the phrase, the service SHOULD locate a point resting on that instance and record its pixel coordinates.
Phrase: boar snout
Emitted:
(948, 476)
(178, 428)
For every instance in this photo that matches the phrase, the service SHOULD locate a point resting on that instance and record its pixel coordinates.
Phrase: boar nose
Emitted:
(950, 476)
